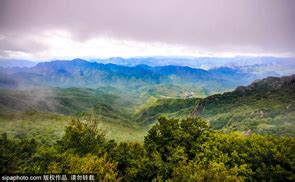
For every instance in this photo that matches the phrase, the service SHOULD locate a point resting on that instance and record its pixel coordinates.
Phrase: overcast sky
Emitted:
(42, 30)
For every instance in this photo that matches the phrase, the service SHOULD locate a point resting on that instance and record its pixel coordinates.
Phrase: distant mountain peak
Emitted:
(79, 60)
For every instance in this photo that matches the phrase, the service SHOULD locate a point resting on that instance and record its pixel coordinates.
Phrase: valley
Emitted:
(147, 91)
(126, 112)
(141, 123)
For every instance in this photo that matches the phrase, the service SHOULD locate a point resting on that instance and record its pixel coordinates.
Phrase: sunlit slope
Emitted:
(171, 108)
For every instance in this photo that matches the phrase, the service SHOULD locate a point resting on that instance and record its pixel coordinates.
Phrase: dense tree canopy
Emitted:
(175, 150)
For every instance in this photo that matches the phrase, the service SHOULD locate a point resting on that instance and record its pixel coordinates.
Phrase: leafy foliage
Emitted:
(173, 150)
(176, 148)
(82, 138)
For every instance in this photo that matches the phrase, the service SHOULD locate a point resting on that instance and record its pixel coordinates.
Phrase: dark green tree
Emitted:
(82, 138)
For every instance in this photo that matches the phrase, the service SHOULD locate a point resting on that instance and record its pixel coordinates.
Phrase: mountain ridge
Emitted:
(265, 106)
(81, 73)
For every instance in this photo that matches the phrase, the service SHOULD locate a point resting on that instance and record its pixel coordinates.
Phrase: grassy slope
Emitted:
(45, 127)
(48, 127)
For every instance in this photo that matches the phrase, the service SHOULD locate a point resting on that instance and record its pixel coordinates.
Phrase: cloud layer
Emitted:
(105, 28)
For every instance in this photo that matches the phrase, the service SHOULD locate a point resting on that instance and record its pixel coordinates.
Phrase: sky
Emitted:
(65, 29)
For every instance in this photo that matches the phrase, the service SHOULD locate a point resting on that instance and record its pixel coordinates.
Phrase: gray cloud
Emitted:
(20, 42)
(229, 25)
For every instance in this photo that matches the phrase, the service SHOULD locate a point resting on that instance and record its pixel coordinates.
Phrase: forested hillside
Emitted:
(43, 113)
(265, 106)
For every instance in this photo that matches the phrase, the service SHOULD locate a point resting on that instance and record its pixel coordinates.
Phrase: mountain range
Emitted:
(128, 99)
(137, 79)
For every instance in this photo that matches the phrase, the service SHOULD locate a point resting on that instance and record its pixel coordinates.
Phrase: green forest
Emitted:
(246, 134)
(147, 91)
(173, 150)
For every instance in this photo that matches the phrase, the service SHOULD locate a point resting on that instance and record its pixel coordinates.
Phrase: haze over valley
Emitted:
(134, 96)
